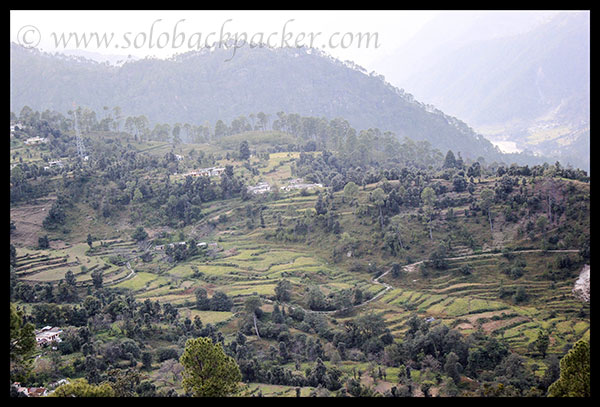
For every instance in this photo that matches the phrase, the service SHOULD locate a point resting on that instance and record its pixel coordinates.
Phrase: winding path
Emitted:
(410, 268)
(120, 280)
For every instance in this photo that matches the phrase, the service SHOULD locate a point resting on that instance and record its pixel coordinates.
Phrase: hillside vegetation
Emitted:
(204, 87)
(326, 261)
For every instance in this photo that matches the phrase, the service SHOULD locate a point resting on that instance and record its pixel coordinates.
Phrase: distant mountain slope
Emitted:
(446, 33)
(530, 89)
(208, 86)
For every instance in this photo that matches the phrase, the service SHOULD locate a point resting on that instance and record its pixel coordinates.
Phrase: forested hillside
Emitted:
(303, 256)
(202, 87)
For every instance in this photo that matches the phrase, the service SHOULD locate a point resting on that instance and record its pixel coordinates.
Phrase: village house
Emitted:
(260, 188)
(35, 140)
(37, 392)
(30, 391)
(15, 127)
(58, 383)
(300, 184)
(206, 172)
(162, 246)
(48, 335)
(57, 163)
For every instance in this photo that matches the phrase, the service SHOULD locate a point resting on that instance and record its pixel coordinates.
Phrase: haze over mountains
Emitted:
(209, 86)
(203, 87)
(520, 79)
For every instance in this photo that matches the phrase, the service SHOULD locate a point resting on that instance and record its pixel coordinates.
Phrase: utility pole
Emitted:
(78, 139)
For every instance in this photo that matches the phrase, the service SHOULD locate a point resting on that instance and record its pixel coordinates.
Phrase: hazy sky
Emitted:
(133, 30)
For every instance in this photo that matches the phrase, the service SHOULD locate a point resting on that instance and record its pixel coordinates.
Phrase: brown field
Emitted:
(28, 220)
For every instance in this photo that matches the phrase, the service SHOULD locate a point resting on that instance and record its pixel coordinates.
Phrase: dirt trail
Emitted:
(410, 268)
(127, 277)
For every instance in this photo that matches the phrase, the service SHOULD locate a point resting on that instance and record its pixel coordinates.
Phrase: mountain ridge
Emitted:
(529, 88)
(251, 85)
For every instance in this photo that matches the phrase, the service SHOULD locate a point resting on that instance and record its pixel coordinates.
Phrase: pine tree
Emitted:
(208, 371)
(574, 378)
(244, 150)
(450, 160)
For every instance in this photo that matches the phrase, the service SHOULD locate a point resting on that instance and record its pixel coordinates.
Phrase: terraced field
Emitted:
(51, 265)
(475, 301)
(243, 269)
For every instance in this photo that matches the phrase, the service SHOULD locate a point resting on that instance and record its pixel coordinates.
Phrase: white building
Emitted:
(15, 127)
(206, 172)
(48, 335)
(35, 140)
(260, 188)
(56, 163)
(300, 184)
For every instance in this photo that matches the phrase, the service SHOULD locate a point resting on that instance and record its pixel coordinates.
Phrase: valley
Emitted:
(361, 275)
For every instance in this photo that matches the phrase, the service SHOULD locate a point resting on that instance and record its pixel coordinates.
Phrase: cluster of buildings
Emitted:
(38, 391)
(206, 172)
(30, 391)
(263, 187)
(162, 246)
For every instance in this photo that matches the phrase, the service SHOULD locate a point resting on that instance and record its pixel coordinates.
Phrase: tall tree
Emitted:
(251, 305)
(542, 342)
(208, 371)
(396, 223)
(43, 242)
(486, 200)
(244, 150)
(202, 301)
(282, 290)
(22, 345)
(574, 378)
(451, 367)
(139, 234)
(450, 160)
(350, 191)
(428, 197)
(378, 198)
(97, 278)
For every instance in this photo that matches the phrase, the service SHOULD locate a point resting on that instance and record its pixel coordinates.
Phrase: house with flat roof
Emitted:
(35, 140)
(48, 335)
(300, 184)
(260, 188)
(206, 172)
